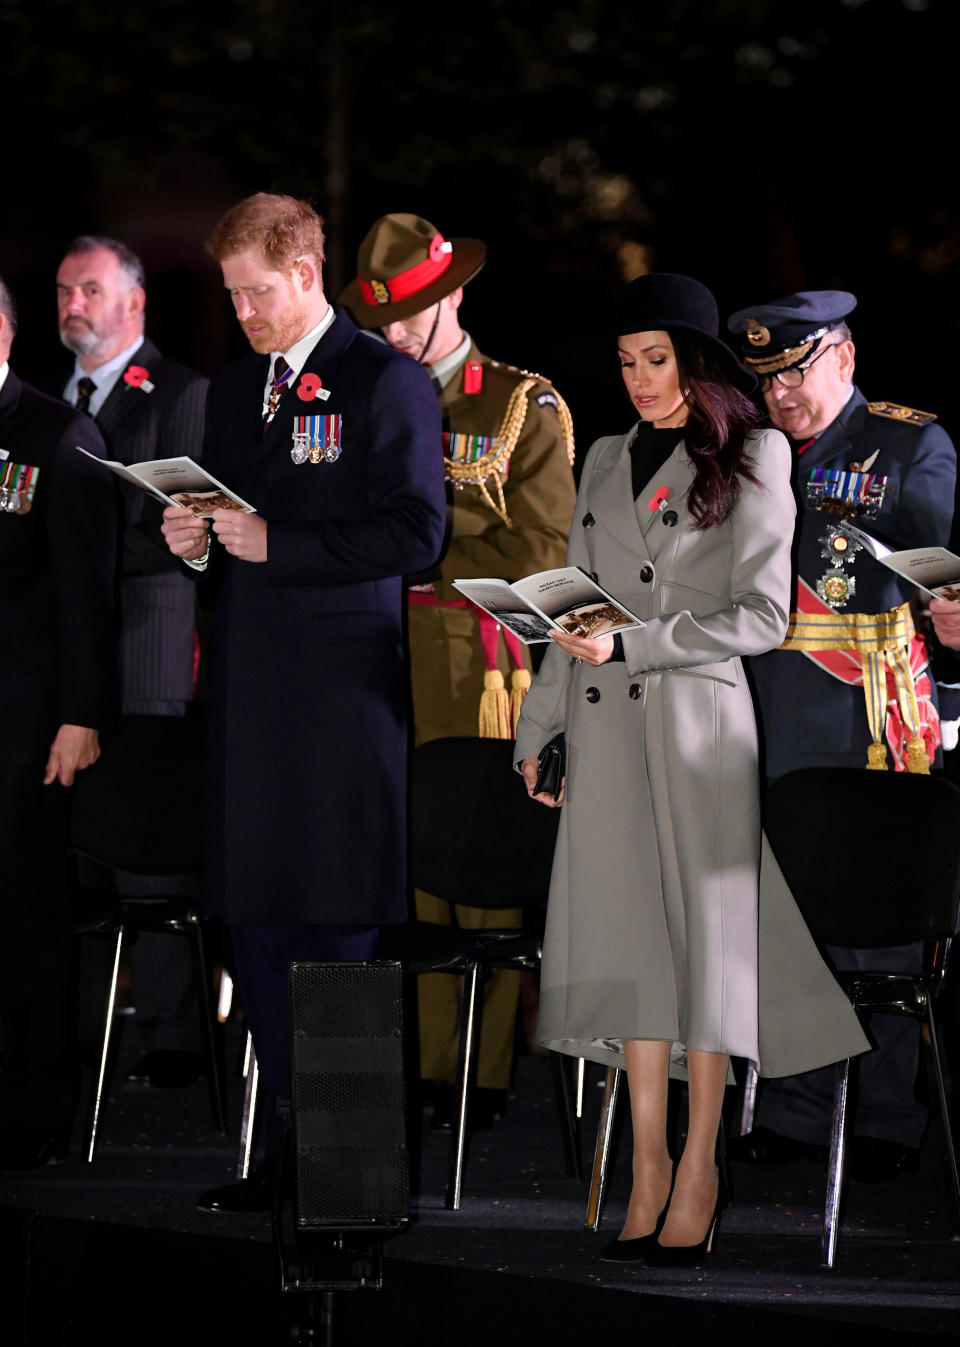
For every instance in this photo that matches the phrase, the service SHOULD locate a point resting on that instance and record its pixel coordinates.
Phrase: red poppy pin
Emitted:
(659, 499)
(310, 387)
(138, 376)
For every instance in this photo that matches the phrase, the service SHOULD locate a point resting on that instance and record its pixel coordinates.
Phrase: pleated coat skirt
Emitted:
(668, 917)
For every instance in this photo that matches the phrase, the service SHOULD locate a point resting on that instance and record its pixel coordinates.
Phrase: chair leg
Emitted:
(581, 1077)
(838, 1130)
(214, 1075)
(945, 1116)
(469, 1032)
(252, 1073)
(601, 1156)
(569, 1122)
(105, 1048)
(748, 1104)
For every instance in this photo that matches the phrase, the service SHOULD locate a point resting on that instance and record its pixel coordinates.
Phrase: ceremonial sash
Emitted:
(499, 709)
(882, 653)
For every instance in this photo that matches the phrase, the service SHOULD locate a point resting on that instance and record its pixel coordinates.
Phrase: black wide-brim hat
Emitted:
(405, 265)
(661, 301)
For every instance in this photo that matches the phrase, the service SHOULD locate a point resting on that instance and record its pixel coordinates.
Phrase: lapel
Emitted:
(453, 399)
(322, 360)
(676, 474)
(611, 496)
(9, 396)
(123, 401)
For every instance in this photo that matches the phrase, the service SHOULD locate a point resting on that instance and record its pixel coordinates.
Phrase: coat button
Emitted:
(635, 691)
(592, 694)
(588, 521)
(669, 517)
(646, 574)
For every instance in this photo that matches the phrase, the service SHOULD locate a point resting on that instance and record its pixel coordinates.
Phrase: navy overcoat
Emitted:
(307, 767)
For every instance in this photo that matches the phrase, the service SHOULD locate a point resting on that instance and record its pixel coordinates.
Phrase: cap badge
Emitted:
(380, 292)
(757, 334)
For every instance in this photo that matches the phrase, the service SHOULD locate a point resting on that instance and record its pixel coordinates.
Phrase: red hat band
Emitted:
(411, 281)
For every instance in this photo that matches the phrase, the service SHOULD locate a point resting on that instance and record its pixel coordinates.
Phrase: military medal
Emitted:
(460, 447)
(317, 438)
(836, 587)
(18, 482)
(851, 494)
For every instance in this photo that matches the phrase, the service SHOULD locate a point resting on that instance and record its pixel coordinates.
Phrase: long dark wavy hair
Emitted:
(720, 417)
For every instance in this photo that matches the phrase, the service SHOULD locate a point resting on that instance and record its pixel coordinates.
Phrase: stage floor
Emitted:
(119, 1248)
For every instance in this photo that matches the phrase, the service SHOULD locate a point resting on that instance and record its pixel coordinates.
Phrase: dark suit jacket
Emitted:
(308, 762)
(157, 604)
(809, 718)
(57, 652)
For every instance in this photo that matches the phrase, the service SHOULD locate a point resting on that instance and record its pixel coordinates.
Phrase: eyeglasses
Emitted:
(793, 378)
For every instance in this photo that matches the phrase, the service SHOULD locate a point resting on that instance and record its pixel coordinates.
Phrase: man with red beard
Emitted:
(333, 437)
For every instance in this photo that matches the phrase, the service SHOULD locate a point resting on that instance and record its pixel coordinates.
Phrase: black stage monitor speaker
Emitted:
(349, 1107)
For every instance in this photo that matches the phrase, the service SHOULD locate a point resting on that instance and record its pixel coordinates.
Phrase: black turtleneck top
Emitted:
(649, 450)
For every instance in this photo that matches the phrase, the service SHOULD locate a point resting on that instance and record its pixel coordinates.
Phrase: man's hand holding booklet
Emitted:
(177, 481)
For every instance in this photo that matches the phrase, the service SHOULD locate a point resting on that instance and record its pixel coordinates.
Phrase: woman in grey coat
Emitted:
(672, 941)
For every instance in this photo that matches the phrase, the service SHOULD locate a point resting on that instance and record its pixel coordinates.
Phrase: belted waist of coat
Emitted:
(883, 653)
(498, 708)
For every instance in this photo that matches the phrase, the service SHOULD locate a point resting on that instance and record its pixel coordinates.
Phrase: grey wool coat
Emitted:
(668, 917)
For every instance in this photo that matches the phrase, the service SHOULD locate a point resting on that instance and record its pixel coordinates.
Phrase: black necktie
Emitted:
(281, 373)
(85, 391)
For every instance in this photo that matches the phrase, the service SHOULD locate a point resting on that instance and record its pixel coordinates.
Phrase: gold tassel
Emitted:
(494, 707)
(877, 758)
(917, 759)
(519, 686)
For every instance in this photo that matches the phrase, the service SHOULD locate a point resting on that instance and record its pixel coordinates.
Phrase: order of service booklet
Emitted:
(932, 569)
(177, 481)
(565, 599)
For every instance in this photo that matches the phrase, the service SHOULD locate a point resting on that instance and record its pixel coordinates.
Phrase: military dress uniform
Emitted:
(849, 686)
(504, 525)
(508, 456)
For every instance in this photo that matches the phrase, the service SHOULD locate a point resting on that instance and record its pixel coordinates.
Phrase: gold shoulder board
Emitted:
(895, 412)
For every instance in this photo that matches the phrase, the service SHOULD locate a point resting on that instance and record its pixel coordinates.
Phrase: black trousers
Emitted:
(263, 955)
(38, 1075)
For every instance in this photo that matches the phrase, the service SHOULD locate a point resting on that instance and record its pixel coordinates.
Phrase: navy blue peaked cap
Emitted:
(787, 332)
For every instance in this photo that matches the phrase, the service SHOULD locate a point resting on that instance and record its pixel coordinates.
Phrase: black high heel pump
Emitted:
(638, 1250)
(687, 1255)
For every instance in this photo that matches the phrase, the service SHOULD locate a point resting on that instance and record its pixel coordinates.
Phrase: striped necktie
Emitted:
(281, 373)
(85, 391)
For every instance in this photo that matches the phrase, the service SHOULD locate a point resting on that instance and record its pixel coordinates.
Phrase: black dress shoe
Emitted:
(23, 1148)
(166, 1069)
(768, 1150)
(875, 1160)
(242, 1198)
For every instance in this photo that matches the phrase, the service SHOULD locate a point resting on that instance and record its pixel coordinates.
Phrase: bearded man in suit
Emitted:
(147, 407)
(334, 439)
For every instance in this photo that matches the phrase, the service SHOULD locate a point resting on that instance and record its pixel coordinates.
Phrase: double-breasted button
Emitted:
(646, 574)
(588, 521)
(669, 517)
(592, 694)
(635, 691)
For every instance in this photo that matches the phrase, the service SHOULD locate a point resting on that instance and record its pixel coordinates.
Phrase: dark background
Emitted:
(760, 145)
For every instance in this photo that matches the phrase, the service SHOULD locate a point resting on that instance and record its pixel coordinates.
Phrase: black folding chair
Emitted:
(478, 840)
(873, 860)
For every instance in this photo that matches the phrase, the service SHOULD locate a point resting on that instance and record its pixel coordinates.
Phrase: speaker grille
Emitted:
(349, 1098)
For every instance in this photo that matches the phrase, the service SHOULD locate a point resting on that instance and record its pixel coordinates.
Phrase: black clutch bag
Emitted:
(552, 761)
